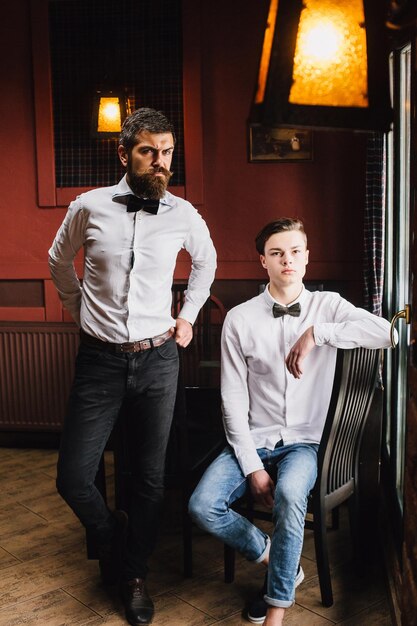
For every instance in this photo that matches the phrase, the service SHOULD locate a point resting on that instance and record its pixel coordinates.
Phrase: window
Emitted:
(397, 289)
(77, 47)
(130, 45)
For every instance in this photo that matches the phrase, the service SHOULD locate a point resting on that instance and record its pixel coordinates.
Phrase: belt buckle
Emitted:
(136, 346)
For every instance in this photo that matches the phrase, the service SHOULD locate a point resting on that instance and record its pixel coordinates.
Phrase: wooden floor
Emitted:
(46, 580)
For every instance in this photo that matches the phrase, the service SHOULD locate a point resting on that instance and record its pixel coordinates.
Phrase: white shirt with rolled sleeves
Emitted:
(129, 262)
(262, 402)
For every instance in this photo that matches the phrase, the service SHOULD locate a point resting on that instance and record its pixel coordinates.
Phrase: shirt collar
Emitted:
(122, 191)
(270, 301)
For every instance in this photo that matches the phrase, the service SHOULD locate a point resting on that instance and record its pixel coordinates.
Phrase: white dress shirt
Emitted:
(262, 402)
(129, 262)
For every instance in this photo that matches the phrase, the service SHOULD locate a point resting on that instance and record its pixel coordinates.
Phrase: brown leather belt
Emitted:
(129, 346)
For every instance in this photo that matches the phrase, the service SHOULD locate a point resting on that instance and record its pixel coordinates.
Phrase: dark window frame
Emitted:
(51, 196)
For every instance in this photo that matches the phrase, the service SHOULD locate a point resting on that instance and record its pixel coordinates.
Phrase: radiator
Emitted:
(36, 371)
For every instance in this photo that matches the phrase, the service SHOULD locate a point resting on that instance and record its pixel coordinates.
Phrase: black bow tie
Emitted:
(279, 311)
(135, 204)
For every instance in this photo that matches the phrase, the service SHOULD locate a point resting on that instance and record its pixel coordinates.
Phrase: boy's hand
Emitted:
(262, 488)
(302, 347)
(183, 332)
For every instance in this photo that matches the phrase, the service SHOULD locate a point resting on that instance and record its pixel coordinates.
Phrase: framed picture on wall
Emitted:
(268, 144)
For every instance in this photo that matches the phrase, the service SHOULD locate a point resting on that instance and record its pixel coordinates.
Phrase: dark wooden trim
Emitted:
(53, 305)
(42, 84)
(392, 567)
(22, 314)
(233, 270)
(192, 102)
(31, 439)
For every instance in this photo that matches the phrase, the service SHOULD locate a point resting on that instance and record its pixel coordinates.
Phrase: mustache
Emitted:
(159, 170)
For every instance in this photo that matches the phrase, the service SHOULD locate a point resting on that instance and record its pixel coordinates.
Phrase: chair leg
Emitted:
(229, 564)
(187, 546)
(100, 482)
(187, 536)
(359, 547)
(322, 557)
(335, 518)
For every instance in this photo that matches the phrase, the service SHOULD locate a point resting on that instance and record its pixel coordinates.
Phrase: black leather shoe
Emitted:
(138, 604)
(110, 555)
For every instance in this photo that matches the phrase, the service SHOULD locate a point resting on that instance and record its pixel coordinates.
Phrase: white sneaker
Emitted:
(257, 609)
(300, 577)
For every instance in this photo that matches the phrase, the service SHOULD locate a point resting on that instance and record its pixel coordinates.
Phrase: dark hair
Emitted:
(143, 119)
(283, 224)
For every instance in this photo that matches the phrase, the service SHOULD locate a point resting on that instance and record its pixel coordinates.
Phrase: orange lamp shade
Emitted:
(330, 60)
(109, 119)
(324, 63)
(109, 112)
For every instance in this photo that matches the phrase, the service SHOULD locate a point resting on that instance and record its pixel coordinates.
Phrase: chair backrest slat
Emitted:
(201, 360)
(353, 389)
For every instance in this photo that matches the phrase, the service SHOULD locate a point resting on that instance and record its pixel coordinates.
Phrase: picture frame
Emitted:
(275, 144)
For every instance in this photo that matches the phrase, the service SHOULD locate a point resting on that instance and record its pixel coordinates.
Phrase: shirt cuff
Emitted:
(250, 462)
(189, 312)
(323, 333)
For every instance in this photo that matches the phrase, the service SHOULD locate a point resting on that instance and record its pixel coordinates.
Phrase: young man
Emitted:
(131, 234)
(278, 361)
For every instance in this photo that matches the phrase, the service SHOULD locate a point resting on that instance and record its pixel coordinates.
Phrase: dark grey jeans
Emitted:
(103, 380)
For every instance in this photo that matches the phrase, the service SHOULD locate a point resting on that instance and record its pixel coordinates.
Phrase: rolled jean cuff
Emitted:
(280, 604)
(265, 553)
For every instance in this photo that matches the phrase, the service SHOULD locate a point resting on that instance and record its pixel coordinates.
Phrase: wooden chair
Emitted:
(197, 437)
(201, 438)
(338, 458)
(201, 359)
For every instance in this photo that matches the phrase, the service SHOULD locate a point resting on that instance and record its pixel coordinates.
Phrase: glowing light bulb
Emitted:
(322, 42)
(111, 111)
(330, 66)
(109, 119)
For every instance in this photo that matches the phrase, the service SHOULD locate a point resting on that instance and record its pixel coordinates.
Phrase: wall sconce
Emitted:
(109, 111)
(324, 65)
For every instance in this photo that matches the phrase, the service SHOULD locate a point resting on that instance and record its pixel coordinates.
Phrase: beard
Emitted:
(148, 185)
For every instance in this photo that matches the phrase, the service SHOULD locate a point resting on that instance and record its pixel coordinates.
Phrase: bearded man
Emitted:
(131, 234)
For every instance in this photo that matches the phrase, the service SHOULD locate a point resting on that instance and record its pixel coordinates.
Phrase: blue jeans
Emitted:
(294, 470)
(103, 381)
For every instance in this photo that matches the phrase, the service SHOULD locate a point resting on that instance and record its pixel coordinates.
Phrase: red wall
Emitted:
(239, 197)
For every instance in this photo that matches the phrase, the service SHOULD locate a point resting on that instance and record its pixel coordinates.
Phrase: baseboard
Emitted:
(24, 439)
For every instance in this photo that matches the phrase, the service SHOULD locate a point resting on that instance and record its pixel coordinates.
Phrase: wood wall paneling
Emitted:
(22, 293)
(409, 552)
(23, 314)
(53, 306)
(22, 300)
(29, 300)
